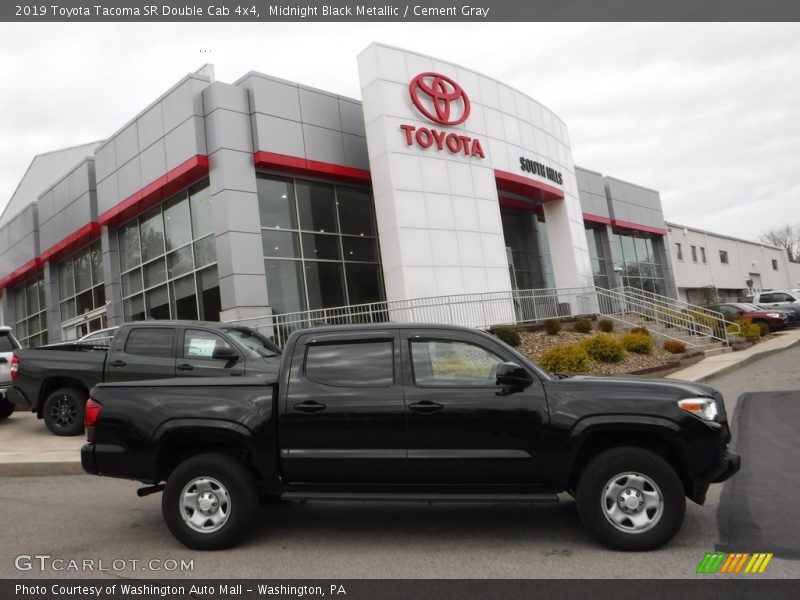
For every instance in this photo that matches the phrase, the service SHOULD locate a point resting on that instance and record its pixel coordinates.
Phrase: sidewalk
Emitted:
(28, 448)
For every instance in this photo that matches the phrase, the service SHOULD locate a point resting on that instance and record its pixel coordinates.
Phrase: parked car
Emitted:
(776, 298)
(54, 381)
(8, 344)
(412, 412)
(773, 319)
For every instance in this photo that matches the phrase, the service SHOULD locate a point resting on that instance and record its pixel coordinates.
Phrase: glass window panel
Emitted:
(97, 264)
(31, 298)
(205, 252)
(155, 273)
(180, 262)
(129, 254)
(632, 269)
(132, 282)
(317, 207)
(325, 286)
(19, 304)
(322, 247)
(202, 211)
(641, 250)
(156, 303)
(66, 279)
(285, 286)
(592, 243)
(152, 234)
(452, 363)
(202, 344)
(134, 308)
(151, 341)
(184, 299)
(648, 242)
(356, 211)
(354, 364)
(280, 244)
(276, 203)
(365, 249)
(34, 325)
(83, 271)
(364, 283)
(208, 294)
(99, 293)
(628, 248)
(22, 331)
(177, 225)
(84, 302)
(68, 310)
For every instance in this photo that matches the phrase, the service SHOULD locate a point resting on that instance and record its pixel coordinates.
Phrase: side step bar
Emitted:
(414, 497)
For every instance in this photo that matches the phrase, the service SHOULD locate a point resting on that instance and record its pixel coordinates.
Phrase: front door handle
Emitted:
(185, 367)
(310, 406)
(117, 363)
(425, 406)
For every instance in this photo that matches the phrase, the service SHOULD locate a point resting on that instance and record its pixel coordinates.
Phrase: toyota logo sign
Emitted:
(439, 98)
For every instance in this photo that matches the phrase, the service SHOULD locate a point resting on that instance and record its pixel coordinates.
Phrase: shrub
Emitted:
(638, 343)
(566, 358)
(604, 347)
(674, 347)
(641, 331)
(508, 334)
(763, 327)
(552, 326)
(582, 326)
(606, 325)
(748, 330)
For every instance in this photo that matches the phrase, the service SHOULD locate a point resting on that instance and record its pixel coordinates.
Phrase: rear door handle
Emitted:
(117, 363)
(185, 367)
(425, 406)
(310, 406)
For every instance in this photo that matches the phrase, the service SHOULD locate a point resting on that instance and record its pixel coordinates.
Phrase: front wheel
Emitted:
(209, 502)
(631, 499)
(63, 411)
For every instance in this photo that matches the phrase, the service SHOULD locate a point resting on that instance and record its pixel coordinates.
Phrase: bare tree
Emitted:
(787, 237)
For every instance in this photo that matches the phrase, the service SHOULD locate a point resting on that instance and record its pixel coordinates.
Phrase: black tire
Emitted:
(63, 411)
(6, 408)
(764, 327)
(231, 499)
(625, 470)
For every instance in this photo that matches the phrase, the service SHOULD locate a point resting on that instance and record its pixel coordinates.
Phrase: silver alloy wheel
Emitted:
(205, 504)
(632, 502)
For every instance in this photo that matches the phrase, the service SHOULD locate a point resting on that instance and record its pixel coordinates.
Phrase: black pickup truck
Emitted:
(412, 412)
(54, 381)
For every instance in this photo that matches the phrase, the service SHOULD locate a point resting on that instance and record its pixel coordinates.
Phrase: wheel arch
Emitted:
(52, 384)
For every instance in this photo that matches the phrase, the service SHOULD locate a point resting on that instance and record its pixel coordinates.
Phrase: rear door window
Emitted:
(351, 364)
(151, 341)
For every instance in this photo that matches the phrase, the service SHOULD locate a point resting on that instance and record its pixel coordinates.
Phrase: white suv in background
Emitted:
(7, 346)
(776, 297)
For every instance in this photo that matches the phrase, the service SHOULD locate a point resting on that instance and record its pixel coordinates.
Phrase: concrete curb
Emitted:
(73, 467)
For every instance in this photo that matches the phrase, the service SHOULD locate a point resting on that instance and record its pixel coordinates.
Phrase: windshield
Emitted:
(254, 341)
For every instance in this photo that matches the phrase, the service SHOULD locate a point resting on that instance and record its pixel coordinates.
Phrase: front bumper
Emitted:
(728, 466)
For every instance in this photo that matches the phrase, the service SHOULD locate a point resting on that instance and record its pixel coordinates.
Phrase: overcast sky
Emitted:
(707, 114)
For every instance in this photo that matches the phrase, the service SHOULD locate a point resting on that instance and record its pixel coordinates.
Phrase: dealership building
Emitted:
(231, 201)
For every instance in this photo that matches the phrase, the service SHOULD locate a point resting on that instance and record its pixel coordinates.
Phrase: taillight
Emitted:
(14, 366)
(90, 418)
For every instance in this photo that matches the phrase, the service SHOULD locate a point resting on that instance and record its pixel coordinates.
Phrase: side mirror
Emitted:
(225, 353)
(511, 375)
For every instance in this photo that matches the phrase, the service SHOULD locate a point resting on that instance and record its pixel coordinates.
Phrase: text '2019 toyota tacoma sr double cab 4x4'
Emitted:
(412, 412)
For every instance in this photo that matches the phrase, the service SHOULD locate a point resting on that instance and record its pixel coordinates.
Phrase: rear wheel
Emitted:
(631, 499)
(6, 408)
(209, 502)
(63, 411)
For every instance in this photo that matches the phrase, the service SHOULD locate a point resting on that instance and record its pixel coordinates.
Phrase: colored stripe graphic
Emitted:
(734, 563)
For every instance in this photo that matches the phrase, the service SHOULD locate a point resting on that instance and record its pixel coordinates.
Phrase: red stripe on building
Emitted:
(525, 186)
(25, 271)
(638, 227)
(72, 242)
(156, 191)
(596, 219)
(302, 166)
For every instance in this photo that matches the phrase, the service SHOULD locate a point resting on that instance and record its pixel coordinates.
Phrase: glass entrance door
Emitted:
(515, 233)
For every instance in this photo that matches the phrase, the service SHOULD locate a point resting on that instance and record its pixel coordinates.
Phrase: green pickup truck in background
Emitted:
(54, 381)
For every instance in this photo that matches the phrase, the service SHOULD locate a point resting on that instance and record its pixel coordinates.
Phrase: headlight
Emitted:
(704, 408)
(775, 315)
